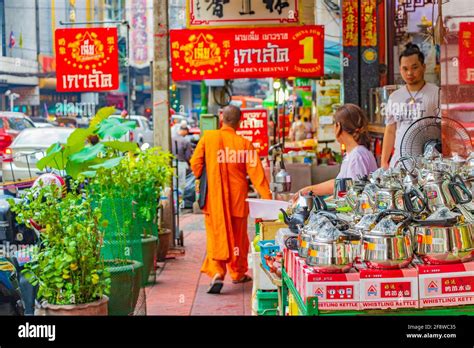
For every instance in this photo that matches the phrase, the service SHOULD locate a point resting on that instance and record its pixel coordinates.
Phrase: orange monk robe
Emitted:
(226, 210)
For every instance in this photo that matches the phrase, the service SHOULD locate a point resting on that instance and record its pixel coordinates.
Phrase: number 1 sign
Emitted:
(247, 53)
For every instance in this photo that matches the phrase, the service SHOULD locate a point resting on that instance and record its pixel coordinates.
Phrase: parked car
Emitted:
(41, 122)
(143, 133)
(19, 161)
(11, 124)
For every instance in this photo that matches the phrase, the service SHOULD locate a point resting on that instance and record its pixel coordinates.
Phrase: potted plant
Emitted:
(147, 173)
(67, 266)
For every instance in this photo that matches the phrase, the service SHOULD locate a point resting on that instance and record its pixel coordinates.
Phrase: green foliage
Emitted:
(68, 266)
(115, 128)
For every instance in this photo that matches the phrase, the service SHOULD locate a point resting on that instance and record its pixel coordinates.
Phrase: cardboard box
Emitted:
(300, 265)
(446, 285)
(335, 291)
(269, 229)
(389, 289)
(290, 262)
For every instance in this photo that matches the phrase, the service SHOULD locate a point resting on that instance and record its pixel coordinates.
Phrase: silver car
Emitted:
(143, 133)
(28, 148)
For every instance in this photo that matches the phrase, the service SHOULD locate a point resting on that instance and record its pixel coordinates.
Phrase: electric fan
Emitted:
(446, 135)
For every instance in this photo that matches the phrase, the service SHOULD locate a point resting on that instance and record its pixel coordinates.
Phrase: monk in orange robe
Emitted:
(229, 158)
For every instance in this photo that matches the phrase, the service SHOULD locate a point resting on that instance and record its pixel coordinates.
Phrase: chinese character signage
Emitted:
(141, 32)
(247, 53)
(221, 13)
(466, 53)
(350, 20)
(368, 23)
(457, 284)
(395, 290)
(254, 127)
(87, 60)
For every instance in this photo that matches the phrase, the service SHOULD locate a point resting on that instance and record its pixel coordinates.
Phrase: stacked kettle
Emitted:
(429, 202)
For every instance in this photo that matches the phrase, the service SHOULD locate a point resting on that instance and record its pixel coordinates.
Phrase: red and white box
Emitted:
(300, 267)
(335, 291)
(446, 285)
(290, 263)
(389, 289)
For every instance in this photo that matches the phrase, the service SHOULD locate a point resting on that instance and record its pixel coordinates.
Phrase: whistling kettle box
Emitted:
(334, 291)
(389, 288)
(290, 261)
(446, 285)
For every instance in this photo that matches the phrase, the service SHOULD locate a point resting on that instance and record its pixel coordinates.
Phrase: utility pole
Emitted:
(161, 108)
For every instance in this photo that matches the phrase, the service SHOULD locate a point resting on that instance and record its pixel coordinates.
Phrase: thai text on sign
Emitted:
(254, 127)
(247, 53)
(466, 52)
(87, 59)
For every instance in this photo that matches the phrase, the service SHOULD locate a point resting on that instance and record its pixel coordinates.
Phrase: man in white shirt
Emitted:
(416, 99)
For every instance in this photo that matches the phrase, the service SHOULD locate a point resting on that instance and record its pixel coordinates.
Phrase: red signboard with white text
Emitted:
(466, 53)
(254, 127)
(247, 53)
(87, 60)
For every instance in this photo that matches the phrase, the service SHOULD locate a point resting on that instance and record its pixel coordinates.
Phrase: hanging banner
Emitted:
(233, 13)
(466, 53)
(368, 23)
(254, 127)
(87, 60)
(140, 17)
(350, 23)
(247, 53)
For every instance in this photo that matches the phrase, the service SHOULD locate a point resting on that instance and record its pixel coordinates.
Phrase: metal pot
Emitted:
(443, 242)
(330, 256)
(388, 251)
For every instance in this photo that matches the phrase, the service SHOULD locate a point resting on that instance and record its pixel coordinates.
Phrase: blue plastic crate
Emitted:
(267, 247)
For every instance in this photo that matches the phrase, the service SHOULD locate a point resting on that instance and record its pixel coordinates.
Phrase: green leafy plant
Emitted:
(90, 147)
(67, 266)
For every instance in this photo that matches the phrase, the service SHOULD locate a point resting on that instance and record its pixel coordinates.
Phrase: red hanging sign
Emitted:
(350, 23)
(87, 60)
(247, 53)
(254, 127)
(466, 53)
(368, 23)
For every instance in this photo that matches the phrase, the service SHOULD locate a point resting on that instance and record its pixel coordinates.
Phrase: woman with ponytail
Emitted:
(350, 127)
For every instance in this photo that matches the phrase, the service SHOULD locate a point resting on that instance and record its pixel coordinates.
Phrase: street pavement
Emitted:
(180, 288)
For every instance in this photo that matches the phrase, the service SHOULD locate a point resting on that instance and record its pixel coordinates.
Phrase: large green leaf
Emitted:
(89, 173)
(115, 128)
(55, 158)
(101, 115)
(111, 163)
(122, 146)
(87, 154)
(77, 140)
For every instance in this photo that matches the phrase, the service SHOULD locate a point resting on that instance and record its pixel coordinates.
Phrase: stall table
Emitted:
(310, 308)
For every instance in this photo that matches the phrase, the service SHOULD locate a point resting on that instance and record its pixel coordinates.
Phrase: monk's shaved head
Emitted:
(231, 116)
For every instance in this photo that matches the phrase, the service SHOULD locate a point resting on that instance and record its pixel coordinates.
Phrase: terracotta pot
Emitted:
(125, 286)
(165, 239)
(149, 251)
(98, 308)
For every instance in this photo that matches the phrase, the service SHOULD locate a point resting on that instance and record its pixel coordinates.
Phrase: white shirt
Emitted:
(399, 110)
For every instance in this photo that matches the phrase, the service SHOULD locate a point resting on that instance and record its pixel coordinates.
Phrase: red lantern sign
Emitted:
(247, 53)
(87, 60)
